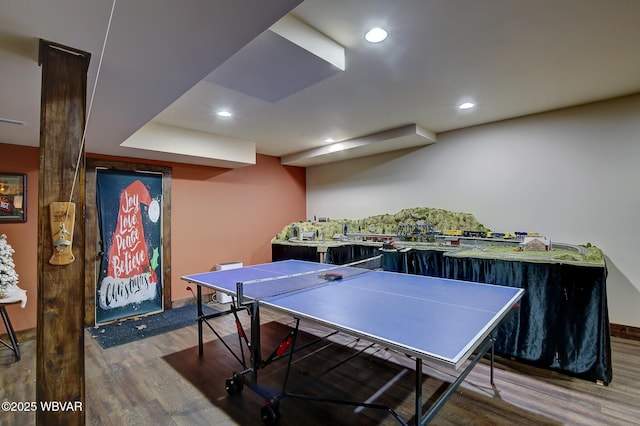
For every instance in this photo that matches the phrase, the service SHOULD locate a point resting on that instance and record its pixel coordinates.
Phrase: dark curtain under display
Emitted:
(427, 262)
(396, 261)
(285, 252)
(350, 253)
(561, 323)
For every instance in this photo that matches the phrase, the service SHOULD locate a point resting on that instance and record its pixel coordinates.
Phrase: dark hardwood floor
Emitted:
(162, 381)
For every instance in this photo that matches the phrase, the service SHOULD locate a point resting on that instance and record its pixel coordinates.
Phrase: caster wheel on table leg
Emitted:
(234, 386)
(270, 414)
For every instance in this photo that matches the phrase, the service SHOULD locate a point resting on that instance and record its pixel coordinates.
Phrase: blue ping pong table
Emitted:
(445, 321)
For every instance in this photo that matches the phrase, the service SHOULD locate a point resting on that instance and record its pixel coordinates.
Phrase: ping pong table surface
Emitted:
(435, 319)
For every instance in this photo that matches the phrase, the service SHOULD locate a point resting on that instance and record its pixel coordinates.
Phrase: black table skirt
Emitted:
(561, 323)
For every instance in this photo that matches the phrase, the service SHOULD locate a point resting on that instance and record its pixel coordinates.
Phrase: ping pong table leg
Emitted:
(256, 356)
(433, 410)
(418, 415)
(200, 319)
(492, 357)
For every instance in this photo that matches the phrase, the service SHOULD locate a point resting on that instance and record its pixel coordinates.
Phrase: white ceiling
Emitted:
(168, 63)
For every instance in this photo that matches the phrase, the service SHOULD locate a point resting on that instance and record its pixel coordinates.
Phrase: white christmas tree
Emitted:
(8, 276)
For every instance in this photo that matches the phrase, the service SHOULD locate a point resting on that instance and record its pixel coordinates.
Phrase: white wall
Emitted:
(572, 174)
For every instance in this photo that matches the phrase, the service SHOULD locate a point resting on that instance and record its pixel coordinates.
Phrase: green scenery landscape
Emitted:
(421, 228)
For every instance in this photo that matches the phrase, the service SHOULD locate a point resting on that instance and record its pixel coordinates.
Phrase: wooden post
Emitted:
(60, 331)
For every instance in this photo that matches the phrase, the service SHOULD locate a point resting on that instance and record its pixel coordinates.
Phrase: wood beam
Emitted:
(60, 299)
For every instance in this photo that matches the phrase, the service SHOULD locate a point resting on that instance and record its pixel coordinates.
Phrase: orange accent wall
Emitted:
(225, 215)
(217, 215)
(23, 237)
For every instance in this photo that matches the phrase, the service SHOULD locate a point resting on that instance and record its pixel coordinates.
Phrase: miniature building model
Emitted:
(535, 244)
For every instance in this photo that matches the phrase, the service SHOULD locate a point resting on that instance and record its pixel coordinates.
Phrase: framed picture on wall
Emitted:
(13, 197)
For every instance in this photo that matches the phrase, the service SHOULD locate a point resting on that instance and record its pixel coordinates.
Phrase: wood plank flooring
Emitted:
(162, 381)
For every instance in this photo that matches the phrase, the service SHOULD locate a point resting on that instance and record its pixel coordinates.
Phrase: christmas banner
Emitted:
(130, 278)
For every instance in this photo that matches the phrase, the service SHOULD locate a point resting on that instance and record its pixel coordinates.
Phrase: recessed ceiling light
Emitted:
(336, 147)
(224, 113)
(329, 140)
(375, 35)
(466, 105)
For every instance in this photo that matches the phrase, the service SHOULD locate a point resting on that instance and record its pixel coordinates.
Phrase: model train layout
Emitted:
(460, 234)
